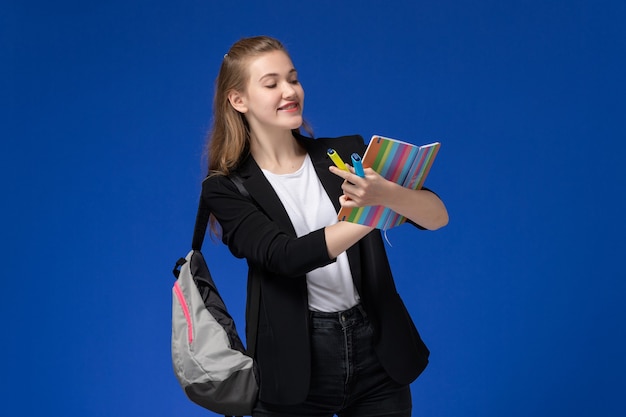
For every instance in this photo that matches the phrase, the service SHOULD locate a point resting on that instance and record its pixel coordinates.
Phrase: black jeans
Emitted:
(346, 376)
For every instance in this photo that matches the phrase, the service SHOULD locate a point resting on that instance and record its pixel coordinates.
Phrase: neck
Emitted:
(279, 152)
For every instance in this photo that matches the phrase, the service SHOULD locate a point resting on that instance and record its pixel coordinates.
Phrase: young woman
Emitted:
(333, 335)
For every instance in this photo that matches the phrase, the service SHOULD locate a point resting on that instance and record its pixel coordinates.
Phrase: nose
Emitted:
(288, 91)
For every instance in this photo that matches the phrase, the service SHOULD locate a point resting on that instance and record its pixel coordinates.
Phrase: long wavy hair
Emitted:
(228, 140)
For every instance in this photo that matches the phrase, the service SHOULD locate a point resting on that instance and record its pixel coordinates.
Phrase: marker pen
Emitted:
(334, 156)
(358, 165)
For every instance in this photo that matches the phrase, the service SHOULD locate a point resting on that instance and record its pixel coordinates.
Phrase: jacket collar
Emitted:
(262, 192)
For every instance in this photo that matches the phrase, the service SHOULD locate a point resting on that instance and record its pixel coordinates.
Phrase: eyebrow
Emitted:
(273, 74)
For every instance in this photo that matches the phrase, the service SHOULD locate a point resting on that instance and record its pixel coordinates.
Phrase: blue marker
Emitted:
(358, 166)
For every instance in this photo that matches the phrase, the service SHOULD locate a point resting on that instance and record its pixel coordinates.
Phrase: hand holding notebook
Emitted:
(401, 162)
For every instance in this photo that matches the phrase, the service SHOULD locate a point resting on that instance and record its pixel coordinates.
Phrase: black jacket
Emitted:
(261, 232)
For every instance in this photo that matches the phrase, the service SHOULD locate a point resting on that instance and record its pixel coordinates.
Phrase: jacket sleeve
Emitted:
(249, 233)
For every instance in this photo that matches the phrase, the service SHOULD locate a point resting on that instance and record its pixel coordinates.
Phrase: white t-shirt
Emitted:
(331, 287)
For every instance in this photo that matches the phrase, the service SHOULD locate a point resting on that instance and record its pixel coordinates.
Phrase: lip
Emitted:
(290, 107)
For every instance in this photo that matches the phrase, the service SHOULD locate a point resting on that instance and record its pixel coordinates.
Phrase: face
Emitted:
(274, 99)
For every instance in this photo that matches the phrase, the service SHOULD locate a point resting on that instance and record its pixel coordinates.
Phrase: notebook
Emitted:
(401, 162)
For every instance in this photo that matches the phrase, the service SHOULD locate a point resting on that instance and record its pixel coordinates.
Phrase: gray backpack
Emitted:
(208, 356)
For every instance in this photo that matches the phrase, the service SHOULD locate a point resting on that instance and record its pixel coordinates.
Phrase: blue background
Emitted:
(105, 106)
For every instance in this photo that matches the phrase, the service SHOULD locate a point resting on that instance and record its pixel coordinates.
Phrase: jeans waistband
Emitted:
(352, 315)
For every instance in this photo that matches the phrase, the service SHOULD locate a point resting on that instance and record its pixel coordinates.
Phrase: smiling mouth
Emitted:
(290, 106)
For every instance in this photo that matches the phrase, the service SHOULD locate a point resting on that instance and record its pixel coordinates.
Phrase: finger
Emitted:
(339, 172)
(344, 201)
(348, 176)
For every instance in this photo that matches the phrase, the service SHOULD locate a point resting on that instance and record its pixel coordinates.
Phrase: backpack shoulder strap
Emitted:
(254, 284)
(203, 215)
(238, 181)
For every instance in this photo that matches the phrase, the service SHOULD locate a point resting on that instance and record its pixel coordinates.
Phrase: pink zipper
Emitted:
(183, 304)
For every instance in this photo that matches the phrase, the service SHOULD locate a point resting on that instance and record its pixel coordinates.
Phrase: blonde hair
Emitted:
(227, 141)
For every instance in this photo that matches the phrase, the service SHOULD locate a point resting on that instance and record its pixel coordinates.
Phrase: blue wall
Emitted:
(520, 298)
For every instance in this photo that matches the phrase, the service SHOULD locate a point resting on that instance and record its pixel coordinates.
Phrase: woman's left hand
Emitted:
(420, 206)
(372, 190)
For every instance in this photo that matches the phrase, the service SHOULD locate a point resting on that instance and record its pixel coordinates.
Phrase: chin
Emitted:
(296, 125)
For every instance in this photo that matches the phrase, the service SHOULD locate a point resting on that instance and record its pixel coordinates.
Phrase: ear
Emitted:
(236, 100)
